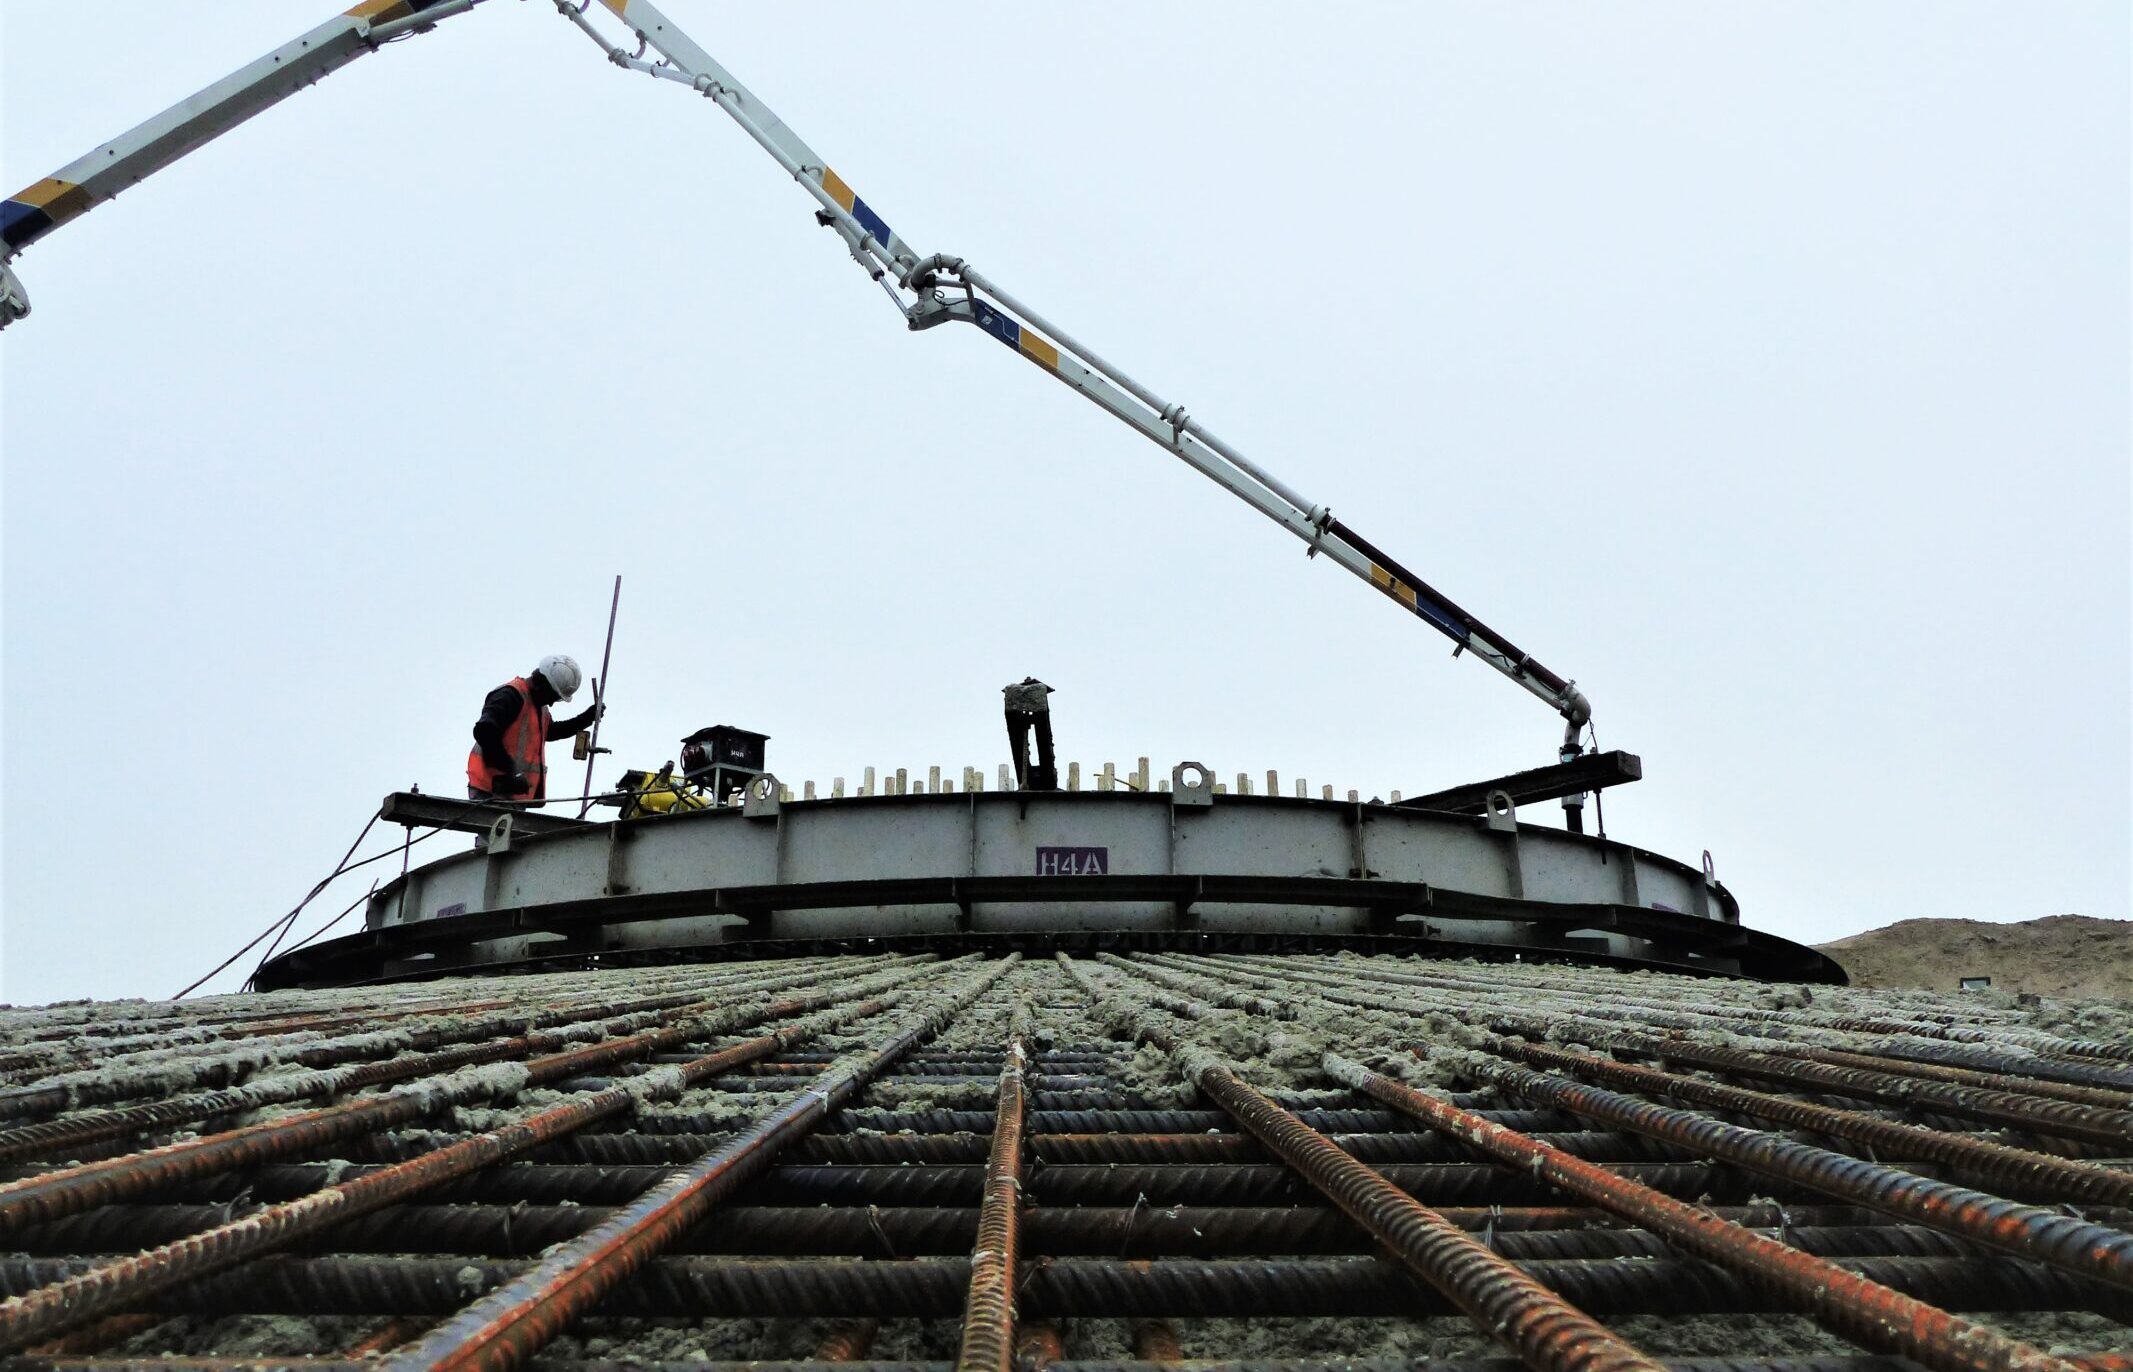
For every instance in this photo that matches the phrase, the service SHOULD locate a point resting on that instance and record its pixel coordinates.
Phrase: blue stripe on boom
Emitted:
(21, 225)
(1441, 617)
(999, 326)
(871, 221)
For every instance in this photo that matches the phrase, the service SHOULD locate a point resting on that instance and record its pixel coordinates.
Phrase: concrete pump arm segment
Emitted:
(927, 290)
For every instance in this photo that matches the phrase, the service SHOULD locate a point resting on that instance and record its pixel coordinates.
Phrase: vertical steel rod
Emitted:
(592, 748)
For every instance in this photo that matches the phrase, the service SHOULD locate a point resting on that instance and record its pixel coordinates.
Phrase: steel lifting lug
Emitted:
(761, 798)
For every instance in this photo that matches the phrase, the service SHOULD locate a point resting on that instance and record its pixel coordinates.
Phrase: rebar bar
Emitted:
(511, 1324)
(2086, 1123)
(847, 1341)
(1545, 1331)
(2003, 1109)
(77, 1299)
(988, 1341)
(1967, 1076)
(171, 1063)
(2100, 1362)
(1845, 1303)
(2064, 1241)
(1140, 1203)
(2020, 1170)
(936, 1288)
(1136, 1231)
(102, 1183)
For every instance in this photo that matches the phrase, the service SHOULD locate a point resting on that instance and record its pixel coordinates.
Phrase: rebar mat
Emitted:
(1237, 1162)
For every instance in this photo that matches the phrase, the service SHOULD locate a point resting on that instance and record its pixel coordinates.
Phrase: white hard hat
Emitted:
(562, 672)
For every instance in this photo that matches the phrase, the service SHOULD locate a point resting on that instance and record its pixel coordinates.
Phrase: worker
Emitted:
(1029, 708)
(507, 761)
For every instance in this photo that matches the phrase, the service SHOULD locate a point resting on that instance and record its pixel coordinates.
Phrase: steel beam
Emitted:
(418, 811)
(1592, 772)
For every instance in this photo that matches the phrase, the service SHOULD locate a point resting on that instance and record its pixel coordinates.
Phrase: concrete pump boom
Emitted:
(927, 290)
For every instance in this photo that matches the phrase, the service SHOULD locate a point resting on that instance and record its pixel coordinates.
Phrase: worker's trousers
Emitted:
(1020, 724)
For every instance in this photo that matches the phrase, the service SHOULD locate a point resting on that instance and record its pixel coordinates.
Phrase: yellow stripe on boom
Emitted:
(1040, 350)
(620, 7)
(838, 191)
(60, 200)
(379, 9)
(1393, 586)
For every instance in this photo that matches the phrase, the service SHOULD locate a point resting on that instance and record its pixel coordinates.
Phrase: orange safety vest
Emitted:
(526, 741)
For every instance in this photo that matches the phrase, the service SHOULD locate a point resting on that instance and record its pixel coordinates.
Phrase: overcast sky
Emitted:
(1764, 368)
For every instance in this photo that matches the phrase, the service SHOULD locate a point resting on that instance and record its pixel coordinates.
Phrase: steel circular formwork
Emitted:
(1042, 871)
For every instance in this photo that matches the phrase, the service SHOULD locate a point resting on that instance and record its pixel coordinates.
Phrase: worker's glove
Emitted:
(510, 784)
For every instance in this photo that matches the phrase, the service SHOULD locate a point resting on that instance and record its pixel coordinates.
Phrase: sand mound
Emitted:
(2059, 955)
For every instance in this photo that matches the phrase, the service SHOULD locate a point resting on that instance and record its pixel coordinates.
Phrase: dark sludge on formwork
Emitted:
(1089, 1160)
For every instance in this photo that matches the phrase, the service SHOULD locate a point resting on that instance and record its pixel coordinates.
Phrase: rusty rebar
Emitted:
(53, 1194)
(1137, 1231)
(54, 1136)
(1223, 996)
(2069, 1243)
(2066, 1242)
(1841, 1301)
(97, 1337)
(2019, 1169)
(1156, 1341)
(2007, 1109)
(2011, 1059)
(1039, 1344)
(2063, 1241)
(65, 1304)
(122, 1079)
(503, 1329)
(1087, 1288)
(1970, 1076)
(1545, 1331)
(1820, 1362)
(1932, 1033)
(847, 1341)
(988, 1341)
(598, 1183)
(1999, 1108)
(894, 1188)
(386, 1337)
